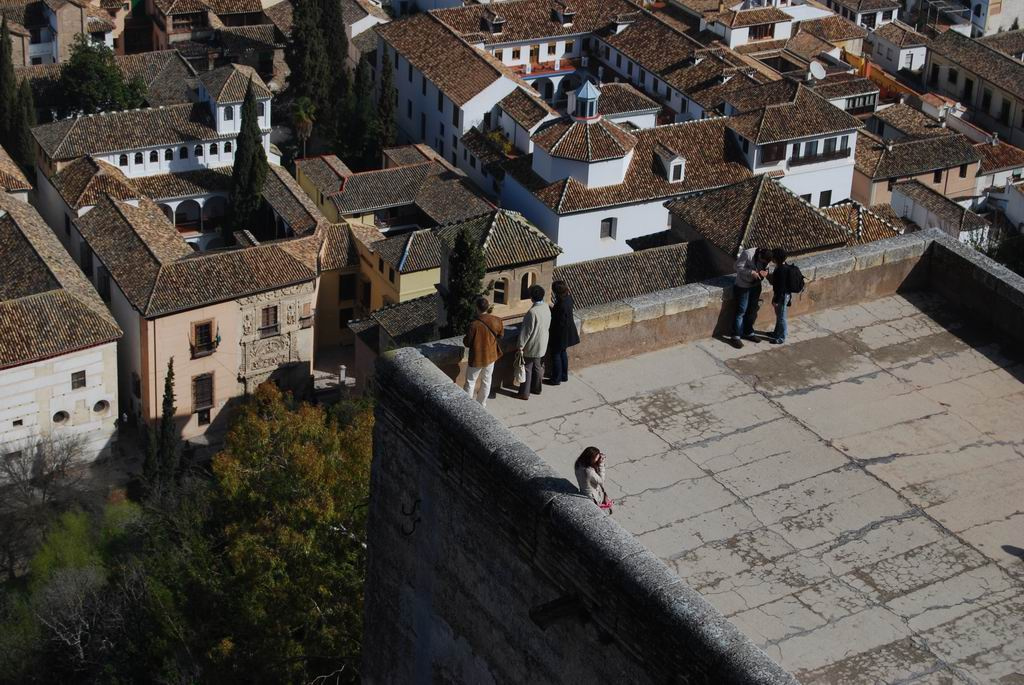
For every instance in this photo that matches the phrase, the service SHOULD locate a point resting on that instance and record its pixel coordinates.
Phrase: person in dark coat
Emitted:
(563, 333)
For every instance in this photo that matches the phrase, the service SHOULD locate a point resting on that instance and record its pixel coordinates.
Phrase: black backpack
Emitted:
(794, 279)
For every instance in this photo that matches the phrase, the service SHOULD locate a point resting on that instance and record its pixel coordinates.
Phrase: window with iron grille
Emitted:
(77, 380)
(202, 392)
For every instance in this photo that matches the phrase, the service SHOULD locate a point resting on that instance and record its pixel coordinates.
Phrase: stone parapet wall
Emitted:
(472, 536)
(485, 566)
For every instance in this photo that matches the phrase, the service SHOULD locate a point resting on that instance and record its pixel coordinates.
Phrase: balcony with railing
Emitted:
(559, 65)
(841, 153)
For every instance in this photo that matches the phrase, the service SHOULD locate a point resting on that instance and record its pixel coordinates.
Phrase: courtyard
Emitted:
(852, 500)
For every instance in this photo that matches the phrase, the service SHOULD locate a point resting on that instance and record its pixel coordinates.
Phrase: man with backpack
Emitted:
(786, 279)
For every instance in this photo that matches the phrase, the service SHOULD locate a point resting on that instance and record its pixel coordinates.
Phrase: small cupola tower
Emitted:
(583, 103)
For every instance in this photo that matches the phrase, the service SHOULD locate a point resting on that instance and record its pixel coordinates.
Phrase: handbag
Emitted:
(519, 368)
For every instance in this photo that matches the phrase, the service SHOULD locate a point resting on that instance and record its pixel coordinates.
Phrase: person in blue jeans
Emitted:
(781, 296)
(751, 269)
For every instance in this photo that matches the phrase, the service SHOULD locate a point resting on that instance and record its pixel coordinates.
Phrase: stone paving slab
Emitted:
(848, 499)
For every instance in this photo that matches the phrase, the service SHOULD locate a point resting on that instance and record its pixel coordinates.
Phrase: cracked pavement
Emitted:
(844, 498)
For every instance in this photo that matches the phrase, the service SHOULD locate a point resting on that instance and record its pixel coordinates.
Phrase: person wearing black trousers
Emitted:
(563, 333)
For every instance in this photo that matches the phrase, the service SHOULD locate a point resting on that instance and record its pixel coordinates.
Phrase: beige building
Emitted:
(230, 319)
(58, 342)
(43, 32)
(947, 164)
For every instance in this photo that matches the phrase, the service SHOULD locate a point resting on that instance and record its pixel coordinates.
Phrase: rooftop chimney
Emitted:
(994, 140)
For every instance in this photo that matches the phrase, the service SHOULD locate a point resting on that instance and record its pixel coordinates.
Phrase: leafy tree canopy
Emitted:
(92, 82)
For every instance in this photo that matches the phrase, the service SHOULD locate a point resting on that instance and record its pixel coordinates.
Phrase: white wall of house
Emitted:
(647, 119)
(592, 175)
(998, 179)
(892, 58)
(924, 217)
(37, 400)
(832, 176)
(579, 235)
(1015, 207)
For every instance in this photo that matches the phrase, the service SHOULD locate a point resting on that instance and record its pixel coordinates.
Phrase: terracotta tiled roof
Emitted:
(805, 115)
(770, 93)
(526, 108)
(622, 98)
(592, 141)
(865, 225)
(98, 24)
(869, 5)
(751, 17)
(185, 183)
(1008, 42)
(833, 28)
(526, 19)
(281, 16)
(168, 77)
(711, 161)
(228, 84)
(983, 60)
(960, 219)
(713, 95)
(506, 237)
(305, 249)
(442, 194)
(843, 85)
(47, 306)
(758, 212)
(255, 36)
(899, 34)
(807, 45)
(170, 7)
(339, 248)
(367, 234)
(655, 45)
(354, 10)
(130, 129)
(878, 160)
(160, 274)
(12, 178)
(999, 156)
(325, 172)
(405, 323)
(447, 61)
(404, 155)
(911, 122)
(484, 150)
(83, 182)
(599, 281)
(709, 70)
(659, 239)
(411, 252)
(286, 197)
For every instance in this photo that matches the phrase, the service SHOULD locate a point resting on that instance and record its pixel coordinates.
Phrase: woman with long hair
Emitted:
(590, 476)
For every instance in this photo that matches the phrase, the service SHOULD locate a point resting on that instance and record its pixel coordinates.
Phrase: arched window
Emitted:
(183, 153)
(500, 291)
(138, 158)
(229, 113)
(154, 156)
(213, 148)
(122, 160)
(227, 146)
(199, 150)
(527, 280)
(168, 155)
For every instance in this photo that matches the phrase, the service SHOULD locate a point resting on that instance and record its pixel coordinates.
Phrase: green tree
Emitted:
(384, 134)
(307, 54)
(303, 118)
(249, 172)
(8, 84)
(24, 118)
(355, 143)
(465, 282)
(337, 98)
(92, 82)
(167, 439)
(289, 503)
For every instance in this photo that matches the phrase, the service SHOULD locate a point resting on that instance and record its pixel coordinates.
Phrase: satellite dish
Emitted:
(818, 70)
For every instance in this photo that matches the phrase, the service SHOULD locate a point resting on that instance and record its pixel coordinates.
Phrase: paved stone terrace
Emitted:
(844, 498)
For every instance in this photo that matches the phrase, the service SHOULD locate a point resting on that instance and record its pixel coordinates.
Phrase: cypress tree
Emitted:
(335, 41)
(22, 149)
(356, 142)
(307, 54)
(249, 171)
(151, 464)
(384, 135)
(167, 440)
(465, 281)
(8, 85)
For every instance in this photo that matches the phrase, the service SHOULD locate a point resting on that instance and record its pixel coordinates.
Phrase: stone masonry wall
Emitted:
(473, 537)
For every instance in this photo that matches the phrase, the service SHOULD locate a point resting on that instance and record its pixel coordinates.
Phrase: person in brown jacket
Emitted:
(482, 339)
